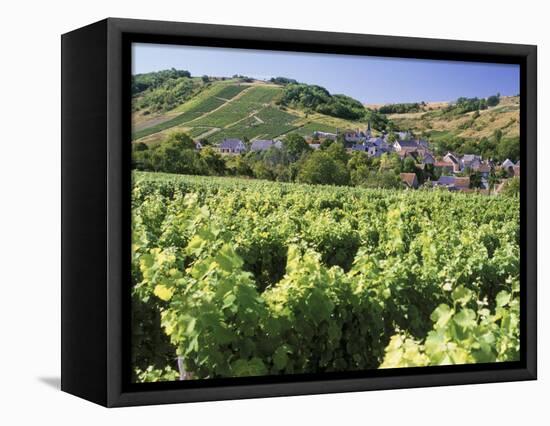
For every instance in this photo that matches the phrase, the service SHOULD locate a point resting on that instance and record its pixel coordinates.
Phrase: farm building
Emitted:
(232, 146)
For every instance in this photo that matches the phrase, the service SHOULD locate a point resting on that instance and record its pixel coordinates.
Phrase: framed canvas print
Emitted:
(253, 212)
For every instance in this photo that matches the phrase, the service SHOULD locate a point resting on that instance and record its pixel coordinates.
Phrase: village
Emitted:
(454, 170)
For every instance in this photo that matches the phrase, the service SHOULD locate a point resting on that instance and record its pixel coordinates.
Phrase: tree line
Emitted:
(295, 161)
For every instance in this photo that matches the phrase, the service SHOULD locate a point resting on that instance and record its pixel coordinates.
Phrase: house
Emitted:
(376, 151)
(470, 161)
(232, 146)
(198, 145)
(484, 169)
(445, 181)
(453, 159)
(444, 166)
(314, 145)
(401, 145)
(462, 183)
(413, 153)
(409, 179)
(453, 183)
(516, 170)
(426, 157)
(360, 147)
(358, 135)
(264, 145)
(378, 142)
(506, 164)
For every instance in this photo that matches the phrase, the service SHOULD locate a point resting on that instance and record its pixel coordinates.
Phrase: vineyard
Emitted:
(238, 277)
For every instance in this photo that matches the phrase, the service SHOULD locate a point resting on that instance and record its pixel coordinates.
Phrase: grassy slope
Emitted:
(504, 116)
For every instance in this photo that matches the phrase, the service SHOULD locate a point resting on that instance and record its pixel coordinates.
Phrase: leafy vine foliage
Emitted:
(241, 278)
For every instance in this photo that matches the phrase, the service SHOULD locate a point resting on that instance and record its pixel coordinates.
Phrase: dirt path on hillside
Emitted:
(258, 119)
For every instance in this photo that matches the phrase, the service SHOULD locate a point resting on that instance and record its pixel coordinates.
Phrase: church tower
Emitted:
(368, 132)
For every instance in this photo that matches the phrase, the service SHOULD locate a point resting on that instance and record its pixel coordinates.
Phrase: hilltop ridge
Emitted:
(216, 108)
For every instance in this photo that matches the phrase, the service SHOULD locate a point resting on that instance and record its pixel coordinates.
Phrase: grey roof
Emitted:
(470, 157)
(452, 157)
(446, 180)
(375, 141)
(230, 143)
(359, 147)
(507, 163)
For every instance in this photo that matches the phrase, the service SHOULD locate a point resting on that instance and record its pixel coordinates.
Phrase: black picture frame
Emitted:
(96, 212)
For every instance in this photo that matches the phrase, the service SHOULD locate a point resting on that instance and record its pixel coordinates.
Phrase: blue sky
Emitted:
(367, 79)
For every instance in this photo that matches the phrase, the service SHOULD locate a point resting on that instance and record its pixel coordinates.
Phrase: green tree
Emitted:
(238, 165)
(509, 148)
(511, 187)
(497, 135)
(139, 146)
(390, 161)
(295, 145)
(338, 152)
(475, 180)
(213, 161)
(179, 140)
(320, 168)
(493, 100)
(386, 179)
(409, 165)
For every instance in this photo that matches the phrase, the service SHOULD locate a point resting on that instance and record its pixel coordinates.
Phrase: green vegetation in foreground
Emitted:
(293, 161)
(244, 277)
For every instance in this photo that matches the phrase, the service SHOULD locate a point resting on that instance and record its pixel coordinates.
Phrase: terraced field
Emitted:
(236, 110)
(268, 123)
(252, 101)
(216, 100)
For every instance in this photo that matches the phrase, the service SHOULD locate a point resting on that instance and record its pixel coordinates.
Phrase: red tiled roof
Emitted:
(462, 182)
(409, 178)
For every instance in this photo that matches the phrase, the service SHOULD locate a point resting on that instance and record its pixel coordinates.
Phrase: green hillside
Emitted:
(241, 107)
(492, 131)
(234, 108)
